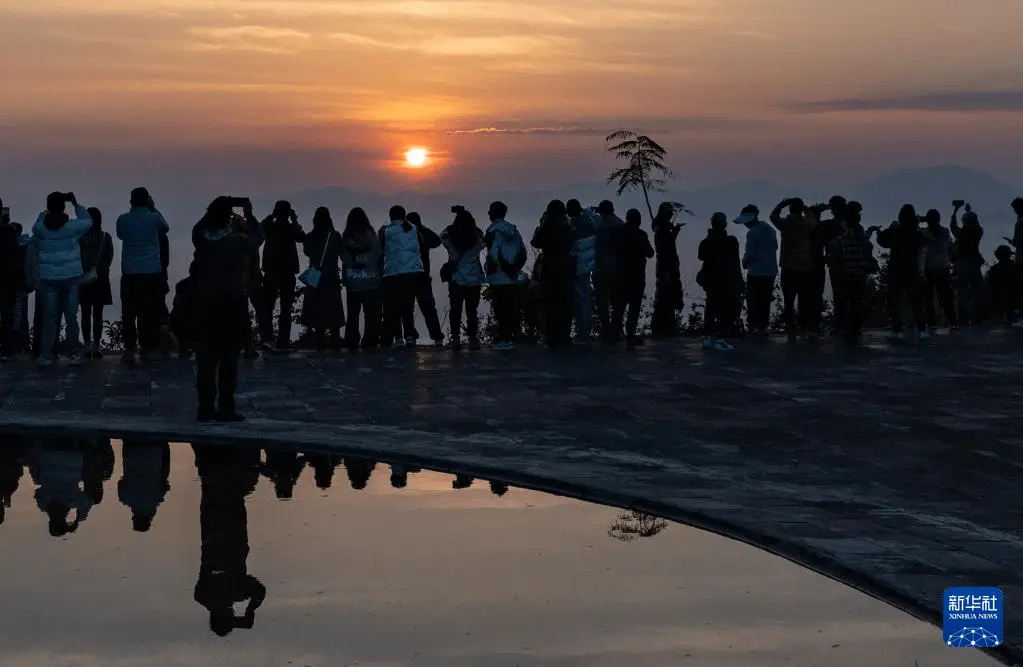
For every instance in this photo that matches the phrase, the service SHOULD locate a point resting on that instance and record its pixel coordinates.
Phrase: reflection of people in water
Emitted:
(145, 479)
(283, 467)
(323, 466)
(56, 468)
(97, 466)
(227, 475)
(12, 467)
(461, 482)
(359, 471)
(400, 473)
(498, 488)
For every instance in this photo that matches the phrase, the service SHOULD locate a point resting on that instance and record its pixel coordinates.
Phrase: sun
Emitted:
(416, 157)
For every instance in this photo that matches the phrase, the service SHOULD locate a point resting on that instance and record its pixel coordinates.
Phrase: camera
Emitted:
(457, 209)
(959, 203)
(238, 202)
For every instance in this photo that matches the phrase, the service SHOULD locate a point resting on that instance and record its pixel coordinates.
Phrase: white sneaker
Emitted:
(438, 342)
(722, 346)
(504, 346)
(926, 335)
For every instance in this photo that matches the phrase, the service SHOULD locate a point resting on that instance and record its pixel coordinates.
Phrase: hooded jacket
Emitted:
(468, 269)
(760, 258)
(280, 250)
(58, 254)
(506, 253)
(585, 247)
(721, 269)
(361, 259)
(402, 248)
(139, 230)
(632, 251)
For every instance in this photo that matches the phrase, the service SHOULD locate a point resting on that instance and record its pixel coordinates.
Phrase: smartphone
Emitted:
(959, 203)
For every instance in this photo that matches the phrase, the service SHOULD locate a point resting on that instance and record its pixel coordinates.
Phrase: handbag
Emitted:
(311, 276)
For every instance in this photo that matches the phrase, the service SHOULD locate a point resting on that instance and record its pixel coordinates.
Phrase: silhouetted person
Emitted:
(824, 232)
(222, 271)
(556, 238)
(851, 257)
(362, 261)
(796, 262)
(464, 275)
(399, 477)
(1017, 239)
(721, 279)
(283, 467)
(95, 294)
(428, 240)
(322, 308)
(1002, 286)
(632, 251)
(359, 471)
(59, 260)
(968, 266)
(605, 279)
(506, 255)
(323, 466)
(57, 471)
(12, 278)
(12, 467)
(141, 273)
(938, 271)
(498, 488)
(145, 480)
(227, 475)
(182, 323)
(668, 284)
(760, 259)
(585, 253)
(403, 269)
(281, 233)
(908, 249)
(97, 466)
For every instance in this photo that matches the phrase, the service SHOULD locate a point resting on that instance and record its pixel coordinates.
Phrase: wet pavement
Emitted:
(896, 468)
(147, 553)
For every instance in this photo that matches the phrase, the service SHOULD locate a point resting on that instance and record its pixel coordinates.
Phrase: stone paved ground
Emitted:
(898, 469)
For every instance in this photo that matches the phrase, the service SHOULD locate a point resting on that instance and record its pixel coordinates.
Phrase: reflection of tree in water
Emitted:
(633, 525)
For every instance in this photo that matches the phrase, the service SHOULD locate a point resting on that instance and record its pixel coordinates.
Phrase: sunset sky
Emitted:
(312, 93)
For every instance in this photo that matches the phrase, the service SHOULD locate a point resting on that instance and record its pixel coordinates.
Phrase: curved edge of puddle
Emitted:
(819, 561)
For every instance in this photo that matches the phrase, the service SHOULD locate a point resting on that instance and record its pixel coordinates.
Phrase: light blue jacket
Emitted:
(402, 253)
(585, 247)
(469, 270)
(57, 253)
(139, 230)
(504, 243)
(761, 256)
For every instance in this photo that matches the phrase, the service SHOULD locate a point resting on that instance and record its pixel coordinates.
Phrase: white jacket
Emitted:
(402, 251)
(59, 255)
(504, 243)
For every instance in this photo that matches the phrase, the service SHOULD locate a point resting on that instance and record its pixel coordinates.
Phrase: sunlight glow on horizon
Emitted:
(416, 157)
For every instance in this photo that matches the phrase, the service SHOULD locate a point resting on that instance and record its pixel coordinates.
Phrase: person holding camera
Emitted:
(969, 263)
(906, 262)
(851, 257)
(281, 233)
(59, 262)
(797, 281)
(463, 272)
(668, 272)
(720, 276)
(222, 274)
(143, 285)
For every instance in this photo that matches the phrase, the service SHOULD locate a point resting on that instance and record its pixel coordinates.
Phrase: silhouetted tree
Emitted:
(646, 171)
(633, 525)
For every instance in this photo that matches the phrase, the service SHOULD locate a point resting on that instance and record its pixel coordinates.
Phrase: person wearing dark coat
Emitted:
(281, 233)
(97, 255)
(721, 279)
(668, 286)
(1002, 283)
(323, 310)
(223, 275)
(906, 264)
(632, 250)
(555, 237)
(12, 277)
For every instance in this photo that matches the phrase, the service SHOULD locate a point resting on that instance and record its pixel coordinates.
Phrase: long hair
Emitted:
(556, 212)
(322, 220)
(908, 217)
(97, 218)
(464, 232)
(357, 223)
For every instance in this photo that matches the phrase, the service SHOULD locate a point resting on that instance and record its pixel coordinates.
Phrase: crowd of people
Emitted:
(368, 281)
